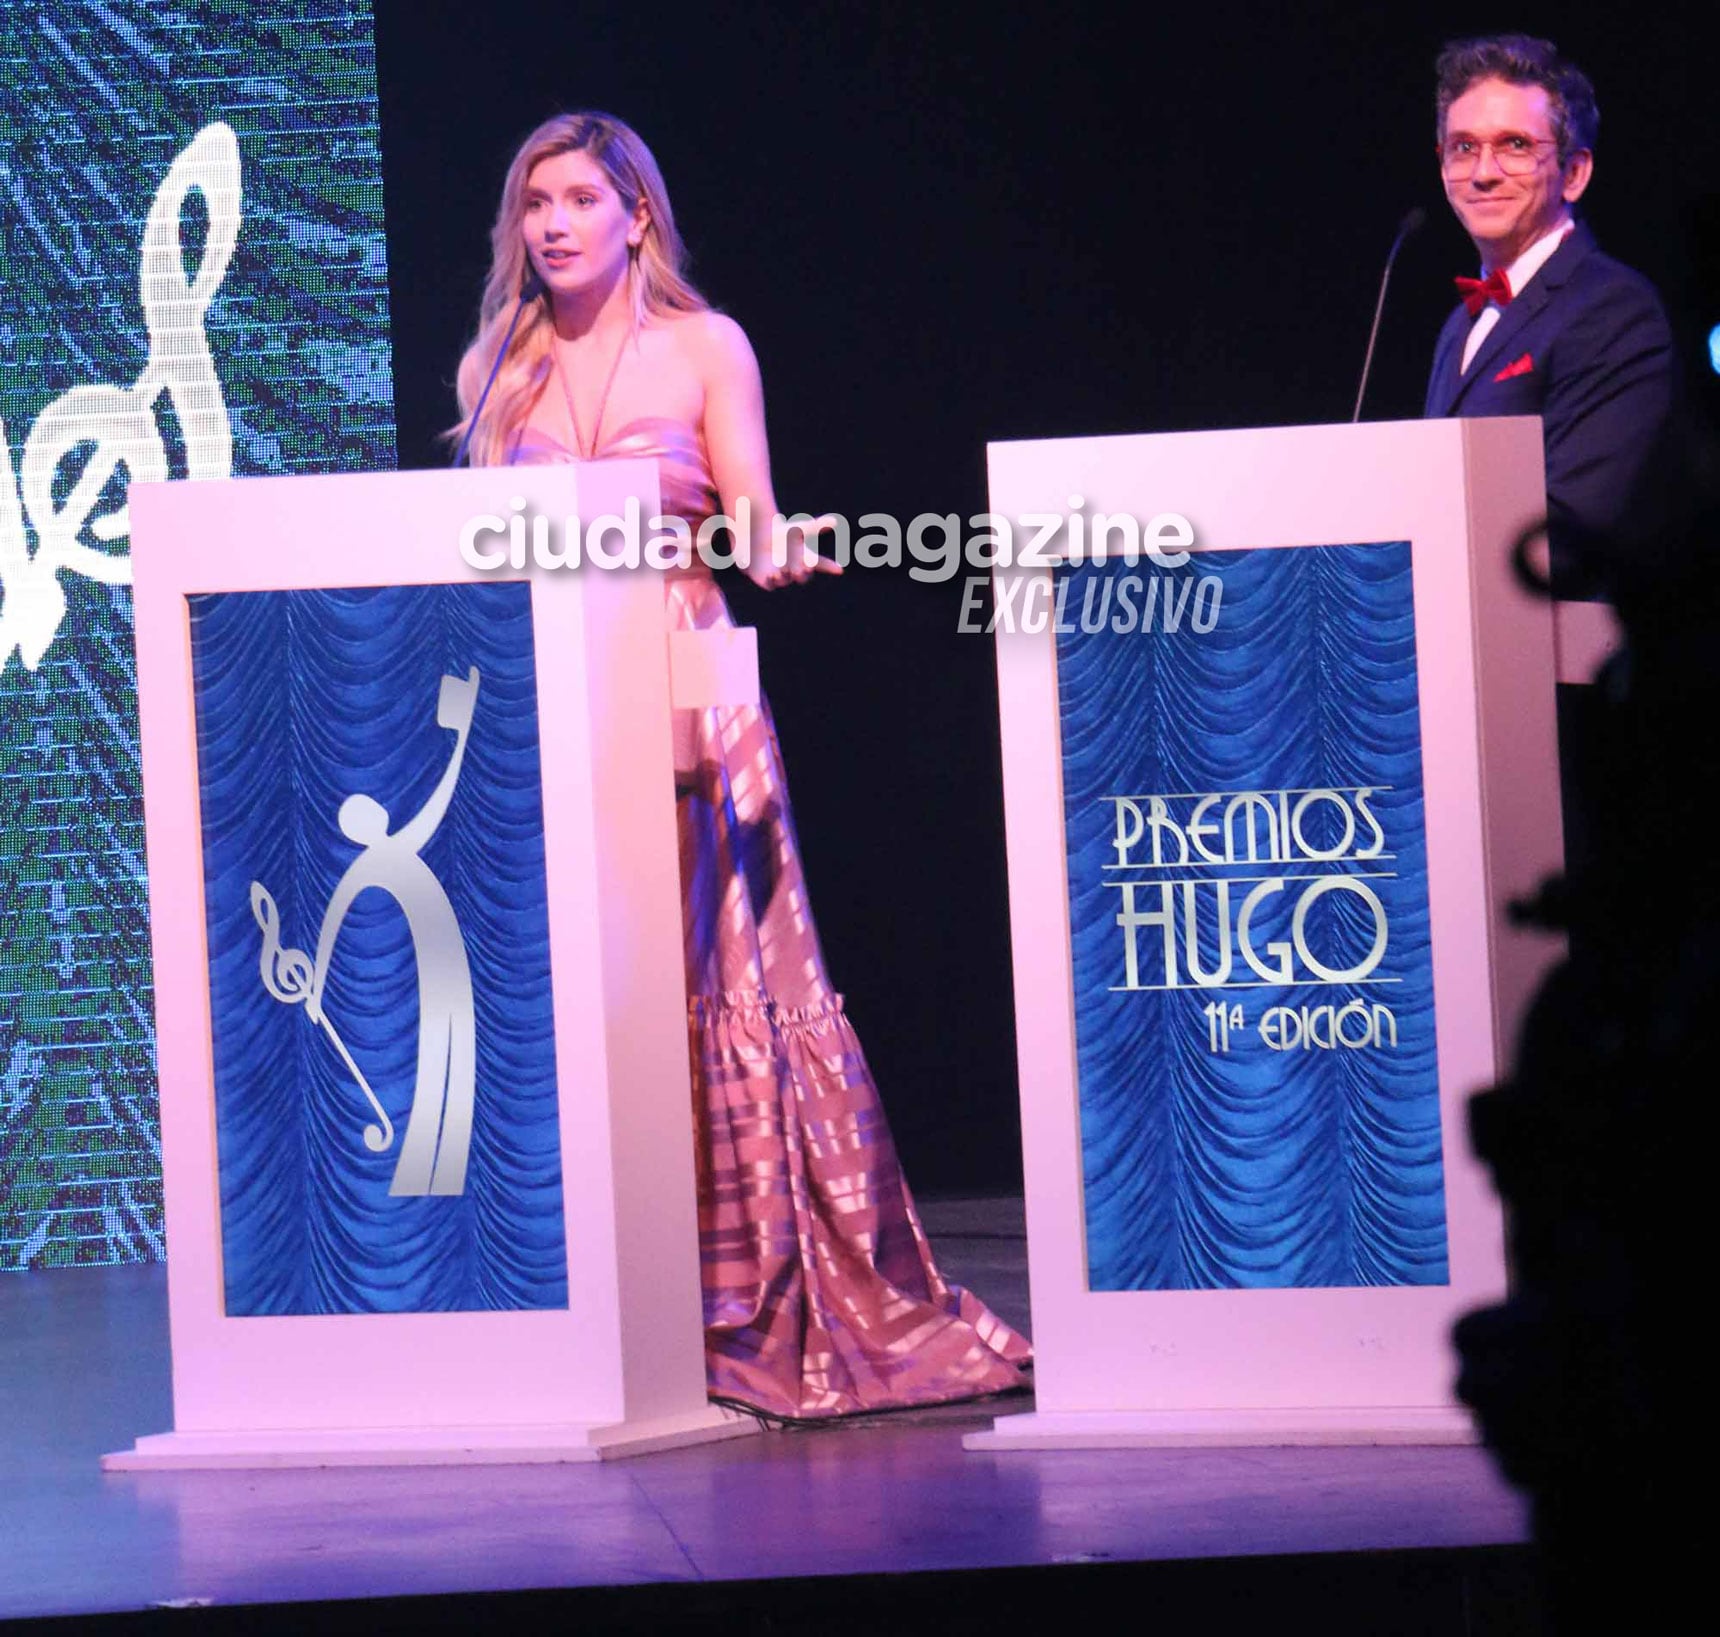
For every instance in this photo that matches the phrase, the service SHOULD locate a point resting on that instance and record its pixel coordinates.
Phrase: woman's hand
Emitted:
(792, 553)
(780, 549)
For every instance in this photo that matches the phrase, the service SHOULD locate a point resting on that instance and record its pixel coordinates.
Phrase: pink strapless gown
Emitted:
(821, 1295)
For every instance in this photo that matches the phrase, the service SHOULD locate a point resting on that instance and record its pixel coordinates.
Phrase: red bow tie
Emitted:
(1477, 293)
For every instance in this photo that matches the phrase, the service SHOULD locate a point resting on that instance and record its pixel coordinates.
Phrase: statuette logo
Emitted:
(438, 1136)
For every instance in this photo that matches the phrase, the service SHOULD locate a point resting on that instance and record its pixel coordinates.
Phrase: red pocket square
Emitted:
(1521, 366)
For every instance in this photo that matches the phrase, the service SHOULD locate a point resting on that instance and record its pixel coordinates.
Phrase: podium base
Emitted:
(426, 1446)
(1168, 1429)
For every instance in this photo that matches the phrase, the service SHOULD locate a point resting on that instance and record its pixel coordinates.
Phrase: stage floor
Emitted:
(84, 1369)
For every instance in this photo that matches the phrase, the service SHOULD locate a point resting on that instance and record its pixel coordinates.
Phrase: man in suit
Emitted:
(1553, 327)
(1566, 1379)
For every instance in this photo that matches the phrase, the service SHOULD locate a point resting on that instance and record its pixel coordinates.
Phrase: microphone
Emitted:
(1411, 223)
(531, 287)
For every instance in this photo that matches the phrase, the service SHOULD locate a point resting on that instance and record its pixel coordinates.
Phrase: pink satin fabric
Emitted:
(821, 1294)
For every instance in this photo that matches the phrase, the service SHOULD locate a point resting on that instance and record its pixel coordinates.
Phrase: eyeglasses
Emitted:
(1514, 153)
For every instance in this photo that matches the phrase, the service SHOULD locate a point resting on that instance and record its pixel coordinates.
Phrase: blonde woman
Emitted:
(821, 1295)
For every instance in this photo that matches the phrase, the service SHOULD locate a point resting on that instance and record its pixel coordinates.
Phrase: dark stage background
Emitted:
(947, 227)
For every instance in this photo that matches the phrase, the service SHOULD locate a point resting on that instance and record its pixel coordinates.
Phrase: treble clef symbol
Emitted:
(289, 975)
(64, 500)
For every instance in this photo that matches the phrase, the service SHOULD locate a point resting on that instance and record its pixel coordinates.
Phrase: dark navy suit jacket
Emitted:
(1586, 346)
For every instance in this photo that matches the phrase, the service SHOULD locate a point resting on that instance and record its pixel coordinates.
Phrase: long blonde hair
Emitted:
(655, 281)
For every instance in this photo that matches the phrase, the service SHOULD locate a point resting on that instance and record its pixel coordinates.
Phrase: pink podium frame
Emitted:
(1295, 1365)
(622, 1369)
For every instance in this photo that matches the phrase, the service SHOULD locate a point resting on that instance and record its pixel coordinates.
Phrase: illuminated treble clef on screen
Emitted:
(121, 421)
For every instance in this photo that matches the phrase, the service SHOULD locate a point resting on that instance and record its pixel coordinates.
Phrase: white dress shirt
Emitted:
(1517, 275)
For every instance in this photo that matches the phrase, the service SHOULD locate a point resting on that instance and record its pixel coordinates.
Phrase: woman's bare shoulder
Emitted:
(713, 339)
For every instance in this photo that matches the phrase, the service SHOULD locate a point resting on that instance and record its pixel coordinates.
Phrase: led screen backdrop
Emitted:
(192, 284)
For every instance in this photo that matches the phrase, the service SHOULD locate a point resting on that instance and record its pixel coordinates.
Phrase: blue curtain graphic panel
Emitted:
(385, 1087)
(1259, 1096)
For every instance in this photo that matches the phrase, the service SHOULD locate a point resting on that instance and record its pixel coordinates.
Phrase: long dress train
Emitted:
(821, 1295)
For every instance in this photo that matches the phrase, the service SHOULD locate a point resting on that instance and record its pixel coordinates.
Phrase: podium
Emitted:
(416, 919)
(1261, 840)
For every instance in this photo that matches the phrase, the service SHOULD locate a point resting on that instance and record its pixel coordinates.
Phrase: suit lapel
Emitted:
(1512, 322)
(1514, 319)
(1443, 383)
